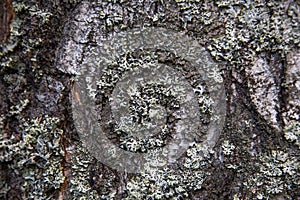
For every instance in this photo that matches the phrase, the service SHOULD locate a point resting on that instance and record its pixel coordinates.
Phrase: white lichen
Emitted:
(227, 147)
(17, 109)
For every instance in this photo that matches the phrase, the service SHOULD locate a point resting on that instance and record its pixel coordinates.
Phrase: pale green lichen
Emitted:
(250, 28)
(15, 110)
(15, 33)
(18, 33)
(278, 174)
(145, 100)
(2, 119)
(292, 132)
(141, 104)
(39, 148)
(172, 182)
(243, 39)
(33, 10)
(79, 187)
(260, 27)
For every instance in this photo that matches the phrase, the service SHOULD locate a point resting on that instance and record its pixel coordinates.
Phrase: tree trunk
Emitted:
(233, 66)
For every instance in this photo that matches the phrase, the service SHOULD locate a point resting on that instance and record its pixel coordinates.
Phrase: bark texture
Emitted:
(256, 46)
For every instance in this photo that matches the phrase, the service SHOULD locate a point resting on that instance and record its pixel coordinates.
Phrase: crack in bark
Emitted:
(6, 16)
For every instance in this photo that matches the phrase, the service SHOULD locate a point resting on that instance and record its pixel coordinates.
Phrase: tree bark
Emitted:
(254, 46)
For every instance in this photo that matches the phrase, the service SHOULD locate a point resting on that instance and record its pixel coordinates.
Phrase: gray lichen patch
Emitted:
(257, 46)
(291, 114)
(174, 182)
(88, 178)
(252, 27)
(277, 176)
(31, 158)
(78, 185)
(138, 96)
(249, 38)
(39, 148)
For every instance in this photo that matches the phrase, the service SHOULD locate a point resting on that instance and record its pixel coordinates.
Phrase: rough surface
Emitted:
(6, 16)
(256, 44)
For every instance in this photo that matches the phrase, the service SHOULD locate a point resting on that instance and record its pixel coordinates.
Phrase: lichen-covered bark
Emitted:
(256, 45)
